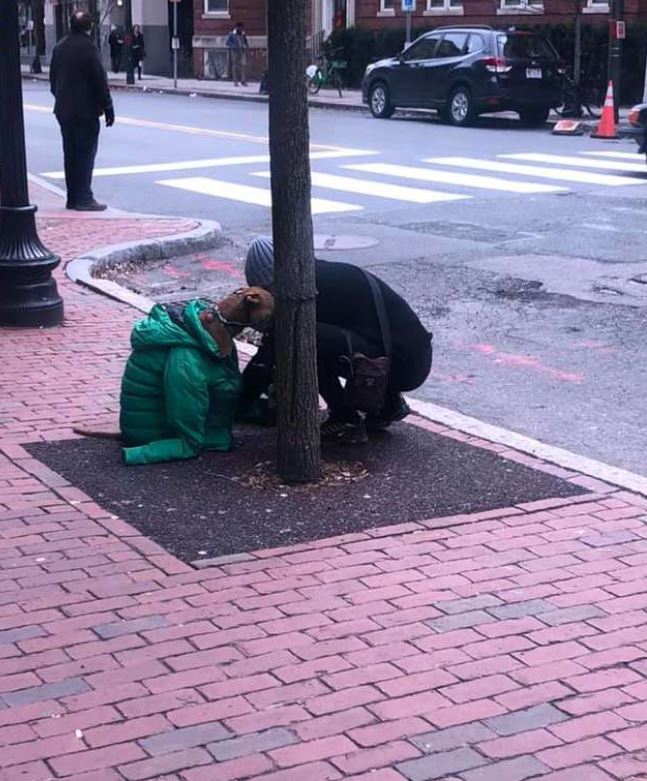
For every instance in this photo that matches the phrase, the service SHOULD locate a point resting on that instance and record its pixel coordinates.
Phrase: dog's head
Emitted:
(248, 307)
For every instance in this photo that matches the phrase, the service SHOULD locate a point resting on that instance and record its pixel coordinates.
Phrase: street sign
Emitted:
(620, 30)
(175, 43)
(408, 6)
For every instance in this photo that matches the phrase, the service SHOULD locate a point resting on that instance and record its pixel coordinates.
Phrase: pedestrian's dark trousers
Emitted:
(80, 142)
(116, 62)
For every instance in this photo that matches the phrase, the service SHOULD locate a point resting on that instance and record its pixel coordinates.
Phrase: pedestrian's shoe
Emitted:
(388, 415)
(244, 83)
(71, 206)
(90, 206)
(337, 432)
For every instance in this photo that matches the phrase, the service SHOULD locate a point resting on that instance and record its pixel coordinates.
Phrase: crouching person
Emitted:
(181, 382)
(361, 323)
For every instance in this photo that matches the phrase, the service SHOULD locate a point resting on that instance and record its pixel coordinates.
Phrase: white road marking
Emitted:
(604, 165)
(620, 155)
(212, 162)
(452, 177)
(395, 192)
(564, 174)
(202, 131)
(245, 194)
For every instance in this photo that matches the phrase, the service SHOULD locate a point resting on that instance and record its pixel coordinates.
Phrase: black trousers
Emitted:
(80, 143)
(116, 61)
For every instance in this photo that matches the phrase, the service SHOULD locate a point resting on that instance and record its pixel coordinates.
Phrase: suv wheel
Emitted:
(460, 109)
(379, 101)
(534, 117)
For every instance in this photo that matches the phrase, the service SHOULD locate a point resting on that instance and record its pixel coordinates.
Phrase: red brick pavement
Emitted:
(501, 646)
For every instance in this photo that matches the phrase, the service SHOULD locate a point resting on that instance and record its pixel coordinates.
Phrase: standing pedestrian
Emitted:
(237, 45)
(137, 51)
(116, 44)
(79, 84)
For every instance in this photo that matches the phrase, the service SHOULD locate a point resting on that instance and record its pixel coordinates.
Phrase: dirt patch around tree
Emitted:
(224, 503)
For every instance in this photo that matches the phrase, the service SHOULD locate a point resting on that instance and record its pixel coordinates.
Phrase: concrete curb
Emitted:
(82, 270)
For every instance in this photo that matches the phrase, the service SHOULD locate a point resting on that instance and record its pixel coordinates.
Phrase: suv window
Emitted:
(475, 43)
(452, 45)
(423, 49)
(525, 47)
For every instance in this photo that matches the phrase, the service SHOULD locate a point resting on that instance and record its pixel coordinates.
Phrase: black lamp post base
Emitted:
(28, 293)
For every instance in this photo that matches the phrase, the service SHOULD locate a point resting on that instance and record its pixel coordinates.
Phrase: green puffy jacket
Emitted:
(178, 395)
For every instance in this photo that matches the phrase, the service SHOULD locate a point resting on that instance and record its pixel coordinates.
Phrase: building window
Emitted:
(216, 7)
(523, 6)
(387, 7)
(440, 6)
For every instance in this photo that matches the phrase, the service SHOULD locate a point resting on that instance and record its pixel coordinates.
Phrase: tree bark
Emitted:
(294, 274)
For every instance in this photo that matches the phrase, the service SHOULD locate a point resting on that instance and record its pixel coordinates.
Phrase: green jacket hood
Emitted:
(159, 330)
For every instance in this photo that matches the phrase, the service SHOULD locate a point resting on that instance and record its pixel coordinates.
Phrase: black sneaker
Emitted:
(336, 432)
(90, 206)
(384, 418)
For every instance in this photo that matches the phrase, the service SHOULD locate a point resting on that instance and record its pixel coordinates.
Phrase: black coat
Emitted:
(344, 299)
(78, 79)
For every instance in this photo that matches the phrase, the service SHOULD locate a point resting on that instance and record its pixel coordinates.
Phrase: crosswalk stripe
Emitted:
(394, 192)
(245, 194)
(563, 174)
(453, 177)
(211, 162)
(603, 165)
(619, 155)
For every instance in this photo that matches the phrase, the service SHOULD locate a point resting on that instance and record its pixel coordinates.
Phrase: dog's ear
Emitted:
(253, 297)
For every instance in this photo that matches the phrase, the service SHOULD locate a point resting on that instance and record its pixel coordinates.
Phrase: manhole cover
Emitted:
(334, 242)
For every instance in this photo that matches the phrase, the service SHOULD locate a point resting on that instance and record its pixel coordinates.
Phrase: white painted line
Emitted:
(212, 162)
(620, 155)
(601, 165)
(377, 189)
(565, 174)
(555, 455)
(453, 177)
(245, 194)
(203, 131)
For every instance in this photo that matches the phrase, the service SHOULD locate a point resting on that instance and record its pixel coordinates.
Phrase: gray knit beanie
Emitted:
(259, 264)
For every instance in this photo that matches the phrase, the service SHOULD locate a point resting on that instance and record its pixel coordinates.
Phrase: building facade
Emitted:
(213, 19)
(155, 18)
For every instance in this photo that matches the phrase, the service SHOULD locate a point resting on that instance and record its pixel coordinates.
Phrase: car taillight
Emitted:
(497, 65)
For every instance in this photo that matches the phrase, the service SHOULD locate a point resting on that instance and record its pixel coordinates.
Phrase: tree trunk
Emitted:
(294, 273)
(577, 55)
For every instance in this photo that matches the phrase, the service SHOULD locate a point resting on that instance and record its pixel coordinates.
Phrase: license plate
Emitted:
(533, 73)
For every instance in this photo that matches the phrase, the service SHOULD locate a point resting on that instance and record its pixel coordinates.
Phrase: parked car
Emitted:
(465, 71)
(638, 126)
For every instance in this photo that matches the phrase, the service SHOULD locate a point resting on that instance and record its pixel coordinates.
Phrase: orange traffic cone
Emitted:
(607, 125)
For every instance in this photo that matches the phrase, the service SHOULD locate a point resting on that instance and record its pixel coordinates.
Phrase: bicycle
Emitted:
(325, 73)
(576, 97)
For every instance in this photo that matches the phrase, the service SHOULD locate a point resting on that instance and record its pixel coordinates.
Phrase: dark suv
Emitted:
(466, 71)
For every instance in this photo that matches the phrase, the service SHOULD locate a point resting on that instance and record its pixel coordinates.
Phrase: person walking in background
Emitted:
(116, 44)
(79, 84)
(237, 45)
(137, 51)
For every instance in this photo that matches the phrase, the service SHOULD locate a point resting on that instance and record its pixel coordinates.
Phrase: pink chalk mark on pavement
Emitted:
(221, 265)
(591, 344)
(171, 271)
(512, 360)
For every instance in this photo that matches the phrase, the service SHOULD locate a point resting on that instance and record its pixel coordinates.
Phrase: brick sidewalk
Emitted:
(501, 646)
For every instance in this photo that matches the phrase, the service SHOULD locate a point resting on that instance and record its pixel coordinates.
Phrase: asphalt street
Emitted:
(523, 252)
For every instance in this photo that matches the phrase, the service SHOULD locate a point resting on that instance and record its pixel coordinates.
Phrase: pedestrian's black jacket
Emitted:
(344, 299)
(78, 79)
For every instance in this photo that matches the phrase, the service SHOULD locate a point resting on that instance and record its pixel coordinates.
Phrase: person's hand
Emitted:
(110, 117)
